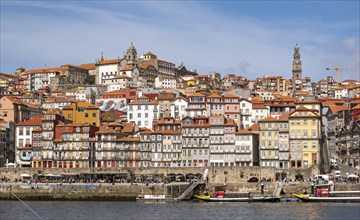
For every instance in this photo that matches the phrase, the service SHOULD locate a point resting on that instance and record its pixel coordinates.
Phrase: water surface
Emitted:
(183, 210)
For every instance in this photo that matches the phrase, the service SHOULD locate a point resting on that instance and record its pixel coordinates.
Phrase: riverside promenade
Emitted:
(129, 192)
(128, 184)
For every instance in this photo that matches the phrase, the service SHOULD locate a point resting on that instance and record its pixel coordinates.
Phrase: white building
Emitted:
(42, 77)
(108, 69)
(246, 148)
(119, 82)
(165, 82)
(259, 111)
(265, 95)
(342, 92)
(245, 113)
(23, 140)
(143, 112)
(178, 108)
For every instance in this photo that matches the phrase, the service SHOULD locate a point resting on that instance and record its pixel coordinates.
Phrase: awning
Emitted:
(25, 175)
(353, 176)
(70, 174)
(24, 162)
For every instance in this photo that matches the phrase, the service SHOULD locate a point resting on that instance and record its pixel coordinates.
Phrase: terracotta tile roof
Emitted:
(303, 109)
(229, 95)
(128, 128)
(308, 102)
(356, 107)
(168, 132)
(216, 116)
(37, 121)
(166, 96)
(44, 70)
(127, 68)
(130, 139)
(145, 131)
(136, 102)
(350, 80)
(256, 99)
(105, 130)
(335, 109)
(258, 106)
(268, 119)
(255, 127)
(244, 132)
(214, 96)
(89, 66)
(113, 61)
(196, 95)
(357, 100)
(86, 105)
(144, 66)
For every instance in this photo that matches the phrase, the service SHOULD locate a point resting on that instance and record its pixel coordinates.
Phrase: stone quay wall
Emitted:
(129, 192)
(215, 174)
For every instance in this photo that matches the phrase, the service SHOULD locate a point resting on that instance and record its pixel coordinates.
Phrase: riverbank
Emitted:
(129, 192)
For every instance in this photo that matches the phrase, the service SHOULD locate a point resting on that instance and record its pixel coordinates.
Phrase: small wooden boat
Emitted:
(207, 198)
(308, 198)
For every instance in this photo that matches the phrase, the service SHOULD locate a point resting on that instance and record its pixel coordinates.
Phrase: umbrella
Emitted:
(10, 164)
(353, 176)
(25, 175)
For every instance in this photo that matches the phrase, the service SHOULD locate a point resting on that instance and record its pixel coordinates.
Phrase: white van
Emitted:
(323, 177)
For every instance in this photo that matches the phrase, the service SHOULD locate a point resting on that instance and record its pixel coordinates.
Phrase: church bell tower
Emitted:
(297, 69)
(131, 56)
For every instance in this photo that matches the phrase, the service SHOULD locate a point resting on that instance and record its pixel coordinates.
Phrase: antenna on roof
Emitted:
(45, 64)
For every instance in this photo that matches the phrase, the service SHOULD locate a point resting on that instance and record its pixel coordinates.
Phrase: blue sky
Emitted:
(249, 38)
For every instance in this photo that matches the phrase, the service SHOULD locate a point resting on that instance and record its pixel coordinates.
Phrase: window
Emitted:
(313, 133)
(27, 131)
(305, 133)
(21, 131)
(313, 122)
(86, 115)
(305, 122)
(130, 116)
(94, 115)
(69, 116)
(313, 144)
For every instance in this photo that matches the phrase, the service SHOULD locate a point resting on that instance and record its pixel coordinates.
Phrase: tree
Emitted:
(90, 79)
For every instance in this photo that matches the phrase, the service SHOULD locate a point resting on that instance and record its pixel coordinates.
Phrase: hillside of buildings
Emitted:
(147, 112)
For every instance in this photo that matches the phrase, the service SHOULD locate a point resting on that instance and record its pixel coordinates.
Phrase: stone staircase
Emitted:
(190, 188)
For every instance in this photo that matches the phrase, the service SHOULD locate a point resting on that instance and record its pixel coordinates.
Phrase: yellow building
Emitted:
(274, 142)
(4, 80)
(305, 137)
(82, 112)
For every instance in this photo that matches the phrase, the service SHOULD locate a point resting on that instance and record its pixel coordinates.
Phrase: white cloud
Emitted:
(202, 38)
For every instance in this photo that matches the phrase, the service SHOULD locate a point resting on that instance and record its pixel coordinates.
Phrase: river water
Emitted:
(182, 210)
